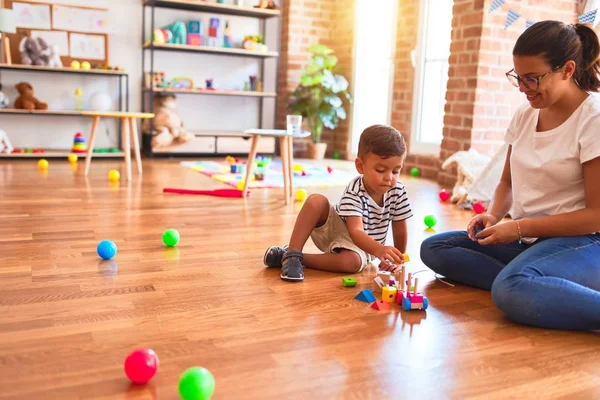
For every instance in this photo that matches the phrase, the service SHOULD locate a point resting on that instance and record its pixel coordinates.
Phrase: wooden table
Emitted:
(128, 125)
(287, 156)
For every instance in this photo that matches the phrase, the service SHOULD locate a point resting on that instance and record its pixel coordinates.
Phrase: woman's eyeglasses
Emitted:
(530, 82)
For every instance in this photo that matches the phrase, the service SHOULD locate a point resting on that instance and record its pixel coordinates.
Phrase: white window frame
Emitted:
(418, 61)
(354, 140)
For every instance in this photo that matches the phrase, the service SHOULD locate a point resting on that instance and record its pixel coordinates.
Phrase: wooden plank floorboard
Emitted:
(68, 319)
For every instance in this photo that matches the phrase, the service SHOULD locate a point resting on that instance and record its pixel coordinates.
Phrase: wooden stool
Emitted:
(128, 125)
(287, 156)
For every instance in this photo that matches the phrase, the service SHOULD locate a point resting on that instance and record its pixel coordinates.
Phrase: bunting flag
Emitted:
(528, 23)
(511, 17)
(496, 4)
(588, 18)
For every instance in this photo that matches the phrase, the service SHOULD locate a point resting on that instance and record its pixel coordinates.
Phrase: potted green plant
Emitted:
(319, 96)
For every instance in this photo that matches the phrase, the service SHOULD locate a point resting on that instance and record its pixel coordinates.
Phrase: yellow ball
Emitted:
(73, 158)
(114, 175)
(85, 65)
(298, 168)
(240, 185)
(301, 195)
(75, 65)
(43, 163)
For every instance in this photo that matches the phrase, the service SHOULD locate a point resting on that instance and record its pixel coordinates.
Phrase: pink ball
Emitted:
(444, 195)
(329, 169)
(478, 207)
(141, 365)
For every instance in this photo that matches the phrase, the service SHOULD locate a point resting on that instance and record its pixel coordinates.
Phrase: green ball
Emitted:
(414, 171)
(171, 237)
(196, 383)
(430, 221)
(337, 155)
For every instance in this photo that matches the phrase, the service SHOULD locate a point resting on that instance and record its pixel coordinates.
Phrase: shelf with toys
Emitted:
(245, 44)
(213, 7)
(64, 70)
(210, 50)
(215, 92)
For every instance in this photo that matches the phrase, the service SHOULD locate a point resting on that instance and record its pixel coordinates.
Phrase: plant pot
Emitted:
(316, 151)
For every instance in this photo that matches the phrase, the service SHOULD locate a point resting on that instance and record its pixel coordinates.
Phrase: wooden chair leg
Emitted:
(250, 163)
(136, 143)
(126, 146)
(90, 150)
(290, 142)
(285, 166)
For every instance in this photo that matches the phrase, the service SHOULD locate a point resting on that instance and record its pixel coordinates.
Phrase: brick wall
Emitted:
(308, 22)
(479, 100)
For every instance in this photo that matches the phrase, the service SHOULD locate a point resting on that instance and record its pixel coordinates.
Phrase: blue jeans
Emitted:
(553, 283)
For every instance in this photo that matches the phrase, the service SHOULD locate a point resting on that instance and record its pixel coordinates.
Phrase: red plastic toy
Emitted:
(216, 192)
(141, 365)
(444, 195)
(478, 207)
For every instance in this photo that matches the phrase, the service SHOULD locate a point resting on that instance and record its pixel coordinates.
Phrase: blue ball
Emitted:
(107, 249)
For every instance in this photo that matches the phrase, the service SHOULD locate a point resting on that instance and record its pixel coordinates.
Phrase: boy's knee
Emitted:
(317, 199)
(353, 262)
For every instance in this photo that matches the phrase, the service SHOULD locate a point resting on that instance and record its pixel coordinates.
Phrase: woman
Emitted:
(543, 266)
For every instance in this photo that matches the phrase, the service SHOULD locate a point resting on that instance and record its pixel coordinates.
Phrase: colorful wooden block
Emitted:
(388, 293)
(195, 27)
(381, 306)
(379, 282)
(194, 39)
(348, 281)
(366, 296)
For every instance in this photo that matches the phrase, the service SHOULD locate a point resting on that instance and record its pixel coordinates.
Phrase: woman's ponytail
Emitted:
(587, 73)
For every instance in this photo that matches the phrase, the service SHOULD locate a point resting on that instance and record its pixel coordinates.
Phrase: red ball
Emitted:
(444, 195)
(478, 207)
(141, 365)
(330, 169)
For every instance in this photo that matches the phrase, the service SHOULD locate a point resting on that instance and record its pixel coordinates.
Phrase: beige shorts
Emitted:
(333, 235)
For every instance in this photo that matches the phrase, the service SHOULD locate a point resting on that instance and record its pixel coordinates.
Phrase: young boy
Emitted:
(353, 232)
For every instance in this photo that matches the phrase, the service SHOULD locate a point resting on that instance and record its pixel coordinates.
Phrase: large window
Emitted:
(431, 75)
(375, 39)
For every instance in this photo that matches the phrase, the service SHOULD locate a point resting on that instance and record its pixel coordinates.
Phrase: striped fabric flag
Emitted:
(588, 18)
(528, 23)
(496, 4)
(511, 17)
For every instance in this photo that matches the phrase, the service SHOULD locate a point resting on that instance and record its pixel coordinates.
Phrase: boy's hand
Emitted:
(387, 266)
(390, 253)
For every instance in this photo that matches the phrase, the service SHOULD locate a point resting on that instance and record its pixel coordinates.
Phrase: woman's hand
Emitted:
(479, 222)
(506, 232)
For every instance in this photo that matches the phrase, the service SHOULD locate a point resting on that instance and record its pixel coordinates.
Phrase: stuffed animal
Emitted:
(167, 124)
(33, 51)
(26, 100)
(175, 33)
(53, 56)
(4, 102)
(5, 146)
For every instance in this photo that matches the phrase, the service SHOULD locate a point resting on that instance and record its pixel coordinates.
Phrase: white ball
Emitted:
(100, 101)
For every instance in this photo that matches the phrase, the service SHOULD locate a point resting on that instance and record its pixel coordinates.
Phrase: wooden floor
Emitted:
(68, 319)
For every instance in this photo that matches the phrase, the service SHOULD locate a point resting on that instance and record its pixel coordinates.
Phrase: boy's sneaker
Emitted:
(292, 269)
(274, 256)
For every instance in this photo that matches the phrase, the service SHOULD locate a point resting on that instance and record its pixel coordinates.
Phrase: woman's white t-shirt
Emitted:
(546, 167)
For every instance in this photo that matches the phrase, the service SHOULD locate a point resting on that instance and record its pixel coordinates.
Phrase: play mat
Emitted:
(305, 174)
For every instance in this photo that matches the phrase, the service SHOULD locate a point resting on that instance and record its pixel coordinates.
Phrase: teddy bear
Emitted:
(167, 124)
(26, 100)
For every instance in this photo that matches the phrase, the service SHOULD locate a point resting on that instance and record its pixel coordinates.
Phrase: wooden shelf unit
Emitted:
(212, 141)
(210, 50)
(57, 153)
(122, 76)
